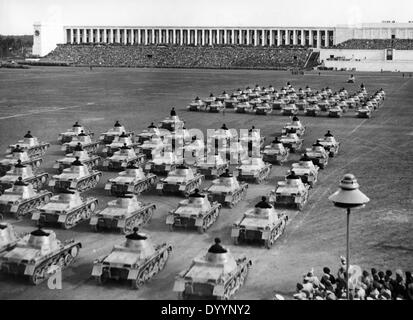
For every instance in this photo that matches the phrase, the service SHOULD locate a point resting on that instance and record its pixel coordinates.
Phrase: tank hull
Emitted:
(34, 162)
(91, 163)
(25, 206)
(83, 184)
(257, 177)
(119, 189)
(90, 147)
(184, 189)
(229, 199)
(121, 165)
(37, 181)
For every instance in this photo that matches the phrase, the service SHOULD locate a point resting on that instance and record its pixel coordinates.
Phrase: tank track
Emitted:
(84, 184)
(237, 280)
(38, 150)
(34, 162)
(90, 148)
(304, 200)
(62, 259)
(276, 233)
(91, 164)
(238, 195)
(145, 185)
(210, 218)
(74, 217)
(193, 184)
(29, 205)
(138, 219)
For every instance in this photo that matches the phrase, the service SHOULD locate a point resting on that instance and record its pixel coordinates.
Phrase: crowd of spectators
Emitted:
(373, 285)
(398, 44)
(181, 56)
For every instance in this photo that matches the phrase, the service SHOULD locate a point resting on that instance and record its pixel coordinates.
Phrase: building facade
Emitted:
(46, 37)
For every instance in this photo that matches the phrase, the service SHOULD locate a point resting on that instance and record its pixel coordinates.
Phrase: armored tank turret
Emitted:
(75, 131)
(306, 170)
(215, 107)
(289, 110)
(212, 166)
(232, 101)
(22, 199)
(152, 146)
(243, 107)
(214, 275)
(254, 99)
(266, 97)
(223, 96)
(76, 177)
(292, 191)
(37, 180)
(312, 110)
(18, 153)
(296, 125)
(279, 104)
(132, 180)
(291, 140)
(39, 255)
(302, 103)
(162, 163)
(364, 112)
(31, 145)
(209, 99)
(108, 136)
(254, 169)
(195, 212)
(196, 105)
(89, 160)
(330, 143)
(123, 214)
(172, 122)
(351, 102)
(181, 180)
(262, 223)
(124, 157)
(84, 140)
(318, 154)
(275, 152)
(137, 260)
(148, 134)
(8, 237)
(66, 209)
(324, 105)
(227, 190)
(263, 109)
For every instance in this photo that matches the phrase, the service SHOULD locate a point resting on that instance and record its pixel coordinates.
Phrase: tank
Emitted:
(8, 237)
(302, 104)
(147, 134)
(243, 107)
(212, 166)
(255, 99)
(74, 131)
(254, 169)
(122, 158)
(84, 140)
(171, 123)
(209, 99)
(306, 170)
(181, 180)
(76, 177)
(136, 260)
(275, 152)
(108, 136)
(39, 255)
(66, 209)
(291, 192)
(119, 142)
(18, 153)
(196, 105)
(162, 163)
(289, 110)
(351, 102)
(215, 275)
(266, 97)
(37, 180)
(123, 214)
(364, 112)
(312, 110)
(291, 140)
(154, 145)
(21, 199)
(324, 105)
(215, 107)
(263, 109)
(31, 145)
(132, 180)
(261, 224)
(318, 154)
(231, 102)
(296, 125)
(89, 160)
(195, 212)
(330, 144)
(312, 100)
(335, 112)
(227, 190)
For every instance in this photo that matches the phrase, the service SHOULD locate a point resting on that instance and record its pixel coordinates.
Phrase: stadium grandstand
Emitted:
(367, 47)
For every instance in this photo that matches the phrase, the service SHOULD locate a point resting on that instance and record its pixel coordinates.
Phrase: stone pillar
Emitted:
(310, 38)
(302, 38)
(174, 36)
(287, 37)
(279, 40)
(255, 37)
(196, 37)
(318, 39)
(295, 41)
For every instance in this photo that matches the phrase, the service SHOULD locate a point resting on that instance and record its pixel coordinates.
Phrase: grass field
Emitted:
(379, 151)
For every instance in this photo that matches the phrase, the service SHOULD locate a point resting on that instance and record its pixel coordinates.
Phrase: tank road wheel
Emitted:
(163, 260)
(140, 281)
(37, 277)
(69, 259)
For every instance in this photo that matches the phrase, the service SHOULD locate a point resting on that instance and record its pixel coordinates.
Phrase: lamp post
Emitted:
(348, 196)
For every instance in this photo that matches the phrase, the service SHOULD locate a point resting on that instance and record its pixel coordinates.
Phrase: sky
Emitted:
(17, 16)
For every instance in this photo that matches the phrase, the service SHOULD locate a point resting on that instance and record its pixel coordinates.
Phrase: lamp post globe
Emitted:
(347, 197)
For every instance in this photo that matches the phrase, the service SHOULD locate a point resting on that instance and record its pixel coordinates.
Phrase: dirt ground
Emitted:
(378, 151)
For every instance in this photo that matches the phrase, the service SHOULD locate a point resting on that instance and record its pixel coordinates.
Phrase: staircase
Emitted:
(312, 60)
